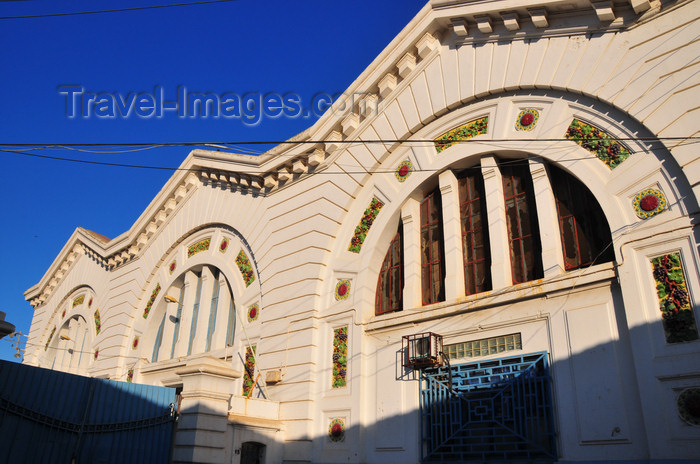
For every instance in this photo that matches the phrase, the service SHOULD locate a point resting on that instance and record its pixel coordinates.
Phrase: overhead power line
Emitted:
(311, 142)
(74, 13)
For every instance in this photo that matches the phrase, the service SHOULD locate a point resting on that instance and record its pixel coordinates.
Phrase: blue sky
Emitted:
(238, 47)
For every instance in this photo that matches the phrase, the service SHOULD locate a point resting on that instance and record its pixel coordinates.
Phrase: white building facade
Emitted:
(513, 186)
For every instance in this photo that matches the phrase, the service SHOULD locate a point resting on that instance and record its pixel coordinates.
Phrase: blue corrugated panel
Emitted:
(48, 416)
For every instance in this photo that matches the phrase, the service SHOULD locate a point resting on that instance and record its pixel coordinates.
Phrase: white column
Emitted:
(497, 223)
(186, 316)
(203, 423)
(169, 325)
(200, 338)
(452, 232)
(73, 332)
(410, 217)
(218, 339)
(550, 236)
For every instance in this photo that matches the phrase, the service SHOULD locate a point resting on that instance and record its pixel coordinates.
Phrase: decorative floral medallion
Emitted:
(130, 375)
(249, 371)
(223, 246)
(342, 289)
(340, 357)
(79, 300)
(97, 353)
(135, 343)
(98, 324)
(53, 331)
(245, 267)
(172, 266)
(90, 303)
(202, 245)
(404, 170)
(464, 132)
(151, 300)
(689, 405)
(253, 312)
(648, 203)
(63, 314)
(674, 301)
(336, 430)
(527, 119)
(607, 149)
(362, 228)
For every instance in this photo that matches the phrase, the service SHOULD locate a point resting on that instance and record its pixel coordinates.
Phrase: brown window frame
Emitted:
(474, 227)
(432, 255)
(588, 232)
(524, 243)
(393, 261)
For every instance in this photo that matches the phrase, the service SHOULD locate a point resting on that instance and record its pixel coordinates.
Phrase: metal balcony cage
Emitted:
(420, 351)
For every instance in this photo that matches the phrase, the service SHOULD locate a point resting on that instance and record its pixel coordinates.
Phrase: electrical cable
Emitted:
(50, 15)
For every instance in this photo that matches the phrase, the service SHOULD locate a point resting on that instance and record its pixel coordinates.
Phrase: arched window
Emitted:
(475, 235)
(200, 318)
(523, 229)
(585, 234)
(432, 249)
(390, 283)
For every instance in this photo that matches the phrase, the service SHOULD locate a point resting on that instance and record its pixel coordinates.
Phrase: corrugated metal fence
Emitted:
(54, 417)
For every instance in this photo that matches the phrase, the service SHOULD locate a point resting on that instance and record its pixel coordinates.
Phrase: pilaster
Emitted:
(452, 233)
(498, 226)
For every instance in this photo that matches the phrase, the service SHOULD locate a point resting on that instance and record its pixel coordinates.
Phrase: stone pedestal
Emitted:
(201, 428)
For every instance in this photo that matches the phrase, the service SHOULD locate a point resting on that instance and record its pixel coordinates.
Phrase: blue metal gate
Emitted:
(48, 416)
(494, 410)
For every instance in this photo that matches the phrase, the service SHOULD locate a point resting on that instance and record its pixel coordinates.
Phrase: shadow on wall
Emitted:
(600, 404)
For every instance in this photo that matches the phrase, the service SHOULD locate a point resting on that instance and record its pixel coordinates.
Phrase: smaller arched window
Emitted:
(389, 295)
(202, 318)
(585, 234)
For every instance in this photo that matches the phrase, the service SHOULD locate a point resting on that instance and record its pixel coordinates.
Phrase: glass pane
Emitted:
(524, 216)
(529, 258)
(424, 246)
(470, 279)
(512, 216)
(516, 259)
(437, 282)
(518, 174)
(435, 243)
(468, 247)
(482, 277)
(507, 185)
(425, 284)
(568, 236)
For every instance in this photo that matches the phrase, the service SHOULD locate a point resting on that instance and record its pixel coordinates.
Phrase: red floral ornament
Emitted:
(336, 430)
(135, 343)
(648, 203)
(342, 289)
(253, 312)
(527, 119)
(172, 267)
(223, 246)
